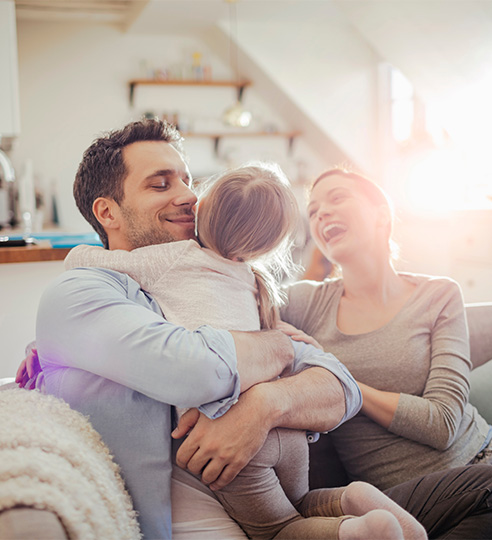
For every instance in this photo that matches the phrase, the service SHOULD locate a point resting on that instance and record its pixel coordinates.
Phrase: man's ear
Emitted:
(107, 212)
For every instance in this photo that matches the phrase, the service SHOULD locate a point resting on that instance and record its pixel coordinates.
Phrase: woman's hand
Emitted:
(296, 334)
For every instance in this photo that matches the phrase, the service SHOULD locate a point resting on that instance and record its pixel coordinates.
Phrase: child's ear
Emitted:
(107, 212)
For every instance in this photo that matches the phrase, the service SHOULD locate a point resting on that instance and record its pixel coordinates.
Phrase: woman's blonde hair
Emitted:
(250, 214)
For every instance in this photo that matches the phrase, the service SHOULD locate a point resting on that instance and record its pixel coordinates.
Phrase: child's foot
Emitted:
(376, 524)
(359, 498)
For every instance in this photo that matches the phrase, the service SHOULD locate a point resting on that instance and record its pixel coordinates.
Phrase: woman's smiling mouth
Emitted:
(333, 230)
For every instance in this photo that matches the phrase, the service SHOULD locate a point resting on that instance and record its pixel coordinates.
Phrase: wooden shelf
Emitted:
(221, 134)
(240, 85)
(217, 136)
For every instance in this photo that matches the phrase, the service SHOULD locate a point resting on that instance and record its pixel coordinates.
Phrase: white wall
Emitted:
(73, 86)
(330, 72)
(454, 244)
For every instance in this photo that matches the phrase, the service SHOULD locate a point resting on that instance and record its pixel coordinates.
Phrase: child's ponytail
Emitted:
(268, 297)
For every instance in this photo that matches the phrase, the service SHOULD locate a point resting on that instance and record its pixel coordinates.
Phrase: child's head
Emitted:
(248, 213)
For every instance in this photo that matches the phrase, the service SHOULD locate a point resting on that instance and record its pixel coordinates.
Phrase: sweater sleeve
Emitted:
(145, 265)
(434, 418)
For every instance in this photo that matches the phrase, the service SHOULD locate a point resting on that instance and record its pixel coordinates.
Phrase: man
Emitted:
(106, 349)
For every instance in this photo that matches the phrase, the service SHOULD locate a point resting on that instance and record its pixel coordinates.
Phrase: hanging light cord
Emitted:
(233, 52)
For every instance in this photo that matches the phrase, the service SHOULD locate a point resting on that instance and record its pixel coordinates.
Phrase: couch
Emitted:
(26, 523)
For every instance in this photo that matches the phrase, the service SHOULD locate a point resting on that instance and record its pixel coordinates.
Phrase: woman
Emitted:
(403, 336)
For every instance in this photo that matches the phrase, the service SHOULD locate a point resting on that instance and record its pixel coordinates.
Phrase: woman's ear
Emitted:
(384, 216)
(106, 212)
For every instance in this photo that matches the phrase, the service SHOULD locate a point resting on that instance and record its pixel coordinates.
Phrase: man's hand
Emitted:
(28, 370)
(219, 449)
(186, 423)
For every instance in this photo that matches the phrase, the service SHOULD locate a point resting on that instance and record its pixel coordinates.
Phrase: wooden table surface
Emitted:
(32, 254)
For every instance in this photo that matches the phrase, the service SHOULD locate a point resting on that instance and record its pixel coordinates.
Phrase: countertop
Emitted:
(34, 253)
(48, 246)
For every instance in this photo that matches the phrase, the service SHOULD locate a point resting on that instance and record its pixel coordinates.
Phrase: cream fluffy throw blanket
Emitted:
(51, 458)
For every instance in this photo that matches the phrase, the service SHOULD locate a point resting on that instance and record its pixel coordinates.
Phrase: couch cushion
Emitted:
(27, 523)
(480, 389)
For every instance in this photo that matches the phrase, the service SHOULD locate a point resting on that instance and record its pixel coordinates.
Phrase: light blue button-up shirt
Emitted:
(106, 349)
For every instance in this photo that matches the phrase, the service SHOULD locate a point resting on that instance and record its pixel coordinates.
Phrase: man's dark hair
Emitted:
(102, 171)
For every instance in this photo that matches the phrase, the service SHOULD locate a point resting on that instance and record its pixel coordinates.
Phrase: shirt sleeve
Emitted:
(435, 417)
(99, 321)
(308, 356)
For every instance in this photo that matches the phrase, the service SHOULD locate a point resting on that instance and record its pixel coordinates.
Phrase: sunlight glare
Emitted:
(436, 183)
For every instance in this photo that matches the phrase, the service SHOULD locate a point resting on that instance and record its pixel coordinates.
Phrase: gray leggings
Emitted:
(270, 497)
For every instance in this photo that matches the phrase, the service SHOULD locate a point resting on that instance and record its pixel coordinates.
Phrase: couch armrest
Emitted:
(24, 523)
(479, 318)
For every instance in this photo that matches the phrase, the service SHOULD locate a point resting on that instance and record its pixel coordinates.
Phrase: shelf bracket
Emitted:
(132, 92)
(216, 145)
(290, 144)
(240, 92)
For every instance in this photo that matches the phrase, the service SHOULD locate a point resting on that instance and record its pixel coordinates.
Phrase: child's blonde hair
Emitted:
(250, 214)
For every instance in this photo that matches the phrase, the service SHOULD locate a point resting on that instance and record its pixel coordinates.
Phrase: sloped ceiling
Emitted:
(441, 46)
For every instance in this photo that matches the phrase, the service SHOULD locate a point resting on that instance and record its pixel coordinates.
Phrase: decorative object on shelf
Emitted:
(236, 115)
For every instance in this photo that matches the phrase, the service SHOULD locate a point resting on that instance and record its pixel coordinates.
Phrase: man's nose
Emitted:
(185, 196)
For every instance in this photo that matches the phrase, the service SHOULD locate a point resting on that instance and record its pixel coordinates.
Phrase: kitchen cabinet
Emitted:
(9, 79)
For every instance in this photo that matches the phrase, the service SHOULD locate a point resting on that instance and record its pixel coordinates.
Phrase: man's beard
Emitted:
(139, 236)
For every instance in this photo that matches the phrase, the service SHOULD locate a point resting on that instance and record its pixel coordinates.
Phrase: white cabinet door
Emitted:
(9, 71)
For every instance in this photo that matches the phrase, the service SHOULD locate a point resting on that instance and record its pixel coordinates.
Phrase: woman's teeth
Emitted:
(332, 230)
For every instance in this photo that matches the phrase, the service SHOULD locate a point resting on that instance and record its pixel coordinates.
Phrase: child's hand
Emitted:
(296, 334)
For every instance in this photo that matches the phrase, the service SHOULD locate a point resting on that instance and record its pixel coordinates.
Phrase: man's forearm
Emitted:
(312, 400)
(262, 356)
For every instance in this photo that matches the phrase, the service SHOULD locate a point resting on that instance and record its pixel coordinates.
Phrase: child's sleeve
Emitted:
(120, 260)
(145, 265)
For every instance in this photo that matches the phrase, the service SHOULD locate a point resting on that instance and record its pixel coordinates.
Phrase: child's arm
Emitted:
(144, 265)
